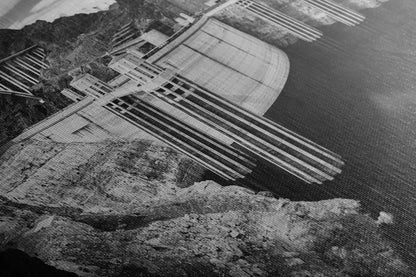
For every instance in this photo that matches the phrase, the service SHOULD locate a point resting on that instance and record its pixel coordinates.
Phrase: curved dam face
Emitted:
(245, 70)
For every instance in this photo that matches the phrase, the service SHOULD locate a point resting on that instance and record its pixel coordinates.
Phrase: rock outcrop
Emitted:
(71, 43)
(129, 209)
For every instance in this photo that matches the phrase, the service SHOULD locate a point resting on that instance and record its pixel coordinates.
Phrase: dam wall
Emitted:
(204, 125)
(235, 65)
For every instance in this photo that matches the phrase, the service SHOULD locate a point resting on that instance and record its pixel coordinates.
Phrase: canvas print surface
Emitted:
(208, 138)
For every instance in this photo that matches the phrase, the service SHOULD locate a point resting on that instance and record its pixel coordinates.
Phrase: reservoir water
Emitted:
(355, 93)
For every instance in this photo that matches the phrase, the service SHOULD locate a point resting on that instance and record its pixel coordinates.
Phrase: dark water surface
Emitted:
(15, 263)
(355, 93)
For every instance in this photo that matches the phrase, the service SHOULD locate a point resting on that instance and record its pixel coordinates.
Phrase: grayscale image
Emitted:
(232, 138)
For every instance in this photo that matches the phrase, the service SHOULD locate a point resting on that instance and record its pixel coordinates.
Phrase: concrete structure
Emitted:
(134, 68)
(155, 37)
(19, 72)
(73, 95)
(228, 62)
(118, 81)
(211, 3)
(216, 133)
(83, 121)
(127, 32)
(132, 45)
(205, 148)
(217, 8)
(129, 37)
(184, 19)
(213, 131)
(141, 45)
(182, 22)
(337, 12)
(202, 93)
(91, 86)
(209, 113)
(294, 26)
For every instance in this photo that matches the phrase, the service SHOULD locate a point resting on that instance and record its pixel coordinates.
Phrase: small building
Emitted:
(73, 95)
(211, 3)
(141, 45)
(155, 37)
(182, 22)
(91, 85)
(134, 68)
(184, 19)
(118, 81)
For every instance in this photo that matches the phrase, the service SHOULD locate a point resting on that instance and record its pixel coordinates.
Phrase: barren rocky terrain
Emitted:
(137, 209)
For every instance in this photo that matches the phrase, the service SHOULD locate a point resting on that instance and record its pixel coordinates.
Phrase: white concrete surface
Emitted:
(233, 64)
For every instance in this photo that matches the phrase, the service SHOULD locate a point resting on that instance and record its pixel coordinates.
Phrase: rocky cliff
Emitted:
(73, 42)
(132, 209)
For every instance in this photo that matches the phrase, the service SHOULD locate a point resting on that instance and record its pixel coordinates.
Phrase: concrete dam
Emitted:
(244, 132)
(237, 66)
(203, 93)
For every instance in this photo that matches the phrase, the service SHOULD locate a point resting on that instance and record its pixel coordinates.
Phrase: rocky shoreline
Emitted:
(61, 205)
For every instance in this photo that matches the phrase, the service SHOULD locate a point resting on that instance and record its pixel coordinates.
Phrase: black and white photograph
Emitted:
(223, 138)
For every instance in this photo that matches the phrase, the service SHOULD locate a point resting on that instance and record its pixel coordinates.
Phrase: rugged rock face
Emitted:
(17, 113)
(71, 42)
(109, 175)
(126, 209)
(67, 33)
